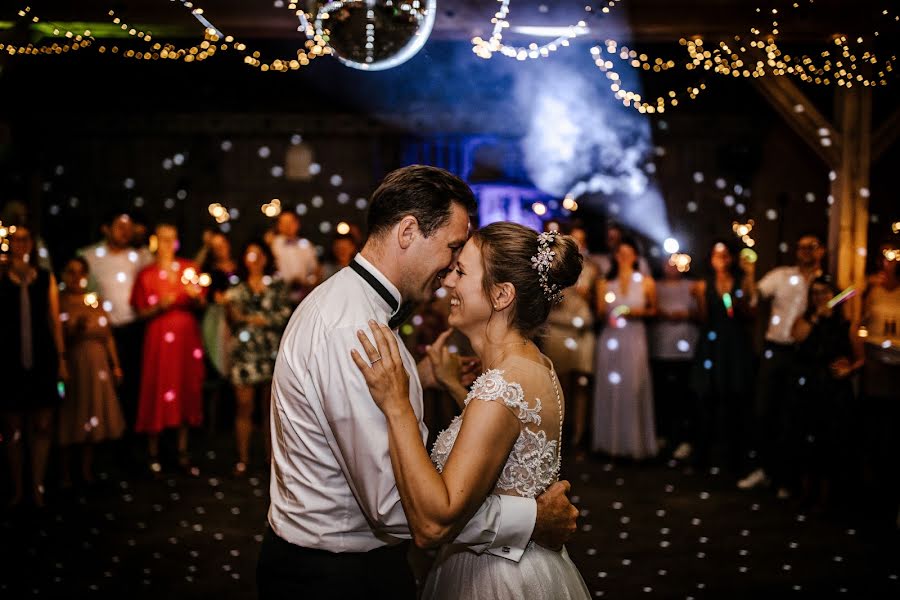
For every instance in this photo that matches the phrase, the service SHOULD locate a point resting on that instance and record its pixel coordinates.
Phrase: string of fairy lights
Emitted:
(749, 55)
(758, 54)
(214, 40)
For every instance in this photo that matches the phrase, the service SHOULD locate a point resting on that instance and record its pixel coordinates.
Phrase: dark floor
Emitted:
(657, 530)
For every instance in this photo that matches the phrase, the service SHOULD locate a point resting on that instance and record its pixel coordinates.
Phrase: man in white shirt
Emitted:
(336, 525)
(295, 257)
(787, 288)
(114, 264)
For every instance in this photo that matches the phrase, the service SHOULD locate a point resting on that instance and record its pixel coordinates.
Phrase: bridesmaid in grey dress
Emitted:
(623, 393)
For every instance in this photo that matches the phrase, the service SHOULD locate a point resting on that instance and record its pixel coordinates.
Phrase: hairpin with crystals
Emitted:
(542, 261)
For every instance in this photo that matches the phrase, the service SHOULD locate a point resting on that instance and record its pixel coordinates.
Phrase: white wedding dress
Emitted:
(531, 390)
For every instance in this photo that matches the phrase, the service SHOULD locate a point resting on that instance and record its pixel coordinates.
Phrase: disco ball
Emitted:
(373, 35)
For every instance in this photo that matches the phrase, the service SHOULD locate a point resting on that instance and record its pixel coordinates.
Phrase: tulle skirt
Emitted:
(542, 574)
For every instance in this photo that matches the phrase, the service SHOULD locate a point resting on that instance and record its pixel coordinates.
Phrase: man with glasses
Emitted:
(787, 288)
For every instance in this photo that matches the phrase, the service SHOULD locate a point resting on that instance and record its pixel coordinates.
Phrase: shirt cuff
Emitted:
(517, 517)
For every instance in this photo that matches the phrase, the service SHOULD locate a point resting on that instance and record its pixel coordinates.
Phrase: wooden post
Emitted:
(848, 227)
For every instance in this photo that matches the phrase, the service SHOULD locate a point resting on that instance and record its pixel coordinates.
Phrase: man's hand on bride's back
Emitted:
(383, 369)
(556, 517)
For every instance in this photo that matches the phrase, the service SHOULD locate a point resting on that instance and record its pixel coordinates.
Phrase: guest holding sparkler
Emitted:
(880, 332)
(91, 411)
(623, 393)
(722, 375)
(787, 289)
(32, 360)
(167, 295)
(825, 360)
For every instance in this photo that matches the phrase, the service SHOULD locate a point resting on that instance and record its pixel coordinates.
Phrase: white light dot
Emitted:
(771, 214)
(577, 322)
(128, 183)
(692, 206)
(361, 203)
(107, 305)
(612, 344)
(571, 344)
(615, 378)
(169, 203)
(671, 245)
(301, 209)
(698, 177)
(776, 319)
(325, 226)
(683, 346)
(277, 171)
(226, 145)
(296, 139)
(317, 201)
(336, 180)
(315, 168)
(178, 159)
(794, 279)
(707, 364)
(244, 336)
(121, 277)
(169, 337)
(264, 152)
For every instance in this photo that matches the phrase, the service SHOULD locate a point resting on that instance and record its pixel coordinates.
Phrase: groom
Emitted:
(336, 525)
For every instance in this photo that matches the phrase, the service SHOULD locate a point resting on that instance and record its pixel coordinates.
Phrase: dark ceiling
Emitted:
(648, 20)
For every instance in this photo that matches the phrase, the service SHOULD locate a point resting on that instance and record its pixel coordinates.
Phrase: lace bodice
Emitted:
(534, 462)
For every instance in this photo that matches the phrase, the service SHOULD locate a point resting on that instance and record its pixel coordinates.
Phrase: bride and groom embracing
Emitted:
(352, 480)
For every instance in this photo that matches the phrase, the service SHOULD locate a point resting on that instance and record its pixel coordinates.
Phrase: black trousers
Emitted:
(129, 345)
(774, 413)
(674, 402)
(288, 571)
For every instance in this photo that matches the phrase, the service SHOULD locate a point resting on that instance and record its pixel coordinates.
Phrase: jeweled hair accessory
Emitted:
(542, 261)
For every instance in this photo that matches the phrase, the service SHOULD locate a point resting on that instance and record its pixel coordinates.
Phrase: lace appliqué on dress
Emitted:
(534, 460)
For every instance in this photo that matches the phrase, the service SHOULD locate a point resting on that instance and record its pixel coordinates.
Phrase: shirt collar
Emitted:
(361, 261)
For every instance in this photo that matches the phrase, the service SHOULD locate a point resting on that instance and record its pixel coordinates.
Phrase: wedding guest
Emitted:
(623, 393)
(166, 297)
(114, 265)
(570, 342)
(825, 360)
(787, 288)
(343, 249)
(606, 260)
(90, 413)
(32, 360)
(222, 270)
(258, 309)
(673, 341)
(881, 385)
(722, 374)
(16, 212)
(295, 257)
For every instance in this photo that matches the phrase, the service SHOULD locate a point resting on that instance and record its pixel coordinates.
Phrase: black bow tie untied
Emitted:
(403, 313)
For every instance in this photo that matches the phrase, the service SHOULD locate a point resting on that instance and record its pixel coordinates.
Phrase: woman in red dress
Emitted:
(166, 294)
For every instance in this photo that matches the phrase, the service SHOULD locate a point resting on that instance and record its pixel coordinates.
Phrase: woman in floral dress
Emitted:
(258, 308)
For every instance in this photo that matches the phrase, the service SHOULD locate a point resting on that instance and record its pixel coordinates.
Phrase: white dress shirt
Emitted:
(113, 275)
(788, 289)
(296, 260)
(333, 486)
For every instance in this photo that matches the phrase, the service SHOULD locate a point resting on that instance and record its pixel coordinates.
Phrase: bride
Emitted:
(506, 441)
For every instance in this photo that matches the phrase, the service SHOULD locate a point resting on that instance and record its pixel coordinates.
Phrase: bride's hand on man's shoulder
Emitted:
(383, 369)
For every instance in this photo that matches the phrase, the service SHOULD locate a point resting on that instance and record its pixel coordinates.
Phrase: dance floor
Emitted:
(647, 531)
